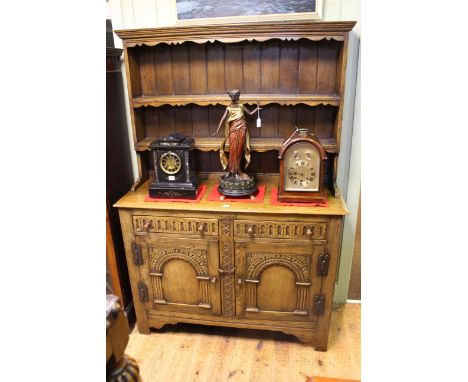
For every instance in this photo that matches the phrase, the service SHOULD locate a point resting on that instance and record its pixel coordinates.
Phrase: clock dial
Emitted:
(302, 168)
(170, 163)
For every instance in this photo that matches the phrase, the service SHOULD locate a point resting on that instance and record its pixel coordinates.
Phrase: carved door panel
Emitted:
(180, 274)
(276, 281)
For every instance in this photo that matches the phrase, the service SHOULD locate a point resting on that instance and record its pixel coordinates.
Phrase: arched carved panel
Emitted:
(299, 265)
(195, 257)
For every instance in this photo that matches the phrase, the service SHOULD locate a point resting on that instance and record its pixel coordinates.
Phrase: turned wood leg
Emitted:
(126, 370)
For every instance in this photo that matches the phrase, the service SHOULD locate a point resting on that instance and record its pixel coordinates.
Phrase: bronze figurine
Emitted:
(235, 182)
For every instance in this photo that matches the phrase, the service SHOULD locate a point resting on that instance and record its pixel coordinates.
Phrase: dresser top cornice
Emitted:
(230, 33)
(136, 200)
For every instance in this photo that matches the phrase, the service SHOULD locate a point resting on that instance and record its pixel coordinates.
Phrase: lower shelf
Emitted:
(256, 144)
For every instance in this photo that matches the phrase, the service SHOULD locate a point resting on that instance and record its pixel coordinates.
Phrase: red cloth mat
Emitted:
(214, 195)
(200, 192)
(274, 201)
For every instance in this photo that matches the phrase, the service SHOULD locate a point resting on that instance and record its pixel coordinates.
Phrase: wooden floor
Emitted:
(186, 352)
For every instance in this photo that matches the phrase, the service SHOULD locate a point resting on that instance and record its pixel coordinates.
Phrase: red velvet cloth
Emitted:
(274, 201)
(214, 195)
(200, 192)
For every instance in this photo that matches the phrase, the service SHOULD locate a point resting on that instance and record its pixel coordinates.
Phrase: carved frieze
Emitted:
(163, 224)
(280, 230)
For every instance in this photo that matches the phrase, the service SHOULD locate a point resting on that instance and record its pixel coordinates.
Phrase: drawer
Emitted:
(280, 229)
(178, 225)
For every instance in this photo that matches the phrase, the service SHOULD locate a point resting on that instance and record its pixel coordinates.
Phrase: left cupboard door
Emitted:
(180, 274)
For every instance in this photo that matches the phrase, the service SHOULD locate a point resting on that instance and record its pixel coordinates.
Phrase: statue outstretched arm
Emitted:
(254, 111)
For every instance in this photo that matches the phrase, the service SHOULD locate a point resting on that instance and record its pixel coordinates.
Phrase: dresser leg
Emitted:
(158, 324)
(312, 339)
(143, 329)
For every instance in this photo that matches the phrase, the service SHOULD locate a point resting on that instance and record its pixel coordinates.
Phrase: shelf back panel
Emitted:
(271, 67)
(261, 163)
(202, 121)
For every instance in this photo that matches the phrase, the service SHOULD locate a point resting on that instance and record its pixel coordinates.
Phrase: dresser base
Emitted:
(307, 336)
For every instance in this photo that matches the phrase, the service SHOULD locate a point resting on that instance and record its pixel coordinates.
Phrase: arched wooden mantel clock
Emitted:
(302, 159)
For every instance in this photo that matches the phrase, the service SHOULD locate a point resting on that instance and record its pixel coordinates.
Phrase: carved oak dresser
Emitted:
(234, 264)
(245, 265)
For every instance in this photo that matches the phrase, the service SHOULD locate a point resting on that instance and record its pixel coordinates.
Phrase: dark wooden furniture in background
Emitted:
(119, 367)
(119, 178)
(242, 265)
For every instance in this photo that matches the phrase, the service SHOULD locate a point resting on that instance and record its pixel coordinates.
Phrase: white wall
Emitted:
(157, 13)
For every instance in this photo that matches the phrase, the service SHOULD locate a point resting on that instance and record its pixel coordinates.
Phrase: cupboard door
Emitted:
(276, 281)
(181, 274)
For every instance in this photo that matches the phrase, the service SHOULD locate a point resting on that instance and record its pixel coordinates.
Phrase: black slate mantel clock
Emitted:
(173, 168)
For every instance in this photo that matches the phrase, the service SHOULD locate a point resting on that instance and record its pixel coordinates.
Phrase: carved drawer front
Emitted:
(280, 230)
(168, 224)
(181, 275)
(277, 281)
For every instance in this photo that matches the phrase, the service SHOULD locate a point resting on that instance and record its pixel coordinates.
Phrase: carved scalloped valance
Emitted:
(233, 33)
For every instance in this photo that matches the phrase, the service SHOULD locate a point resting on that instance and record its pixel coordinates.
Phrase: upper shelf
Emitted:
(223, 99)
(231, 33)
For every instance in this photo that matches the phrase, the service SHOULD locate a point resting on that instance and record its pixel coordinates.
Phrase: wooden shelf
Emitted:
(223, 99)
(136, 200)
(256, 144)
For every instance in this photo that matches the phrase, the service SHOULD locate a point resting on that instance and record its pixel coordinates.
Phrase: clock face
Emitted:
(302, 168)
(170, 163)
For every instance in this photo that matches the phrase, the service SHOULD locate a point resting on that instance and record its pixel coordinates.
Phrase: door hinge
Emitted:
(319, 304)
(322, 265)
(142, 292)
(137, 256)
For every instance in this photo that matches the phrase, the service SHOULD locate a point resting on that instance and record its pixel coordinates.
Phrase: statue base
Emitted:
(235, 186)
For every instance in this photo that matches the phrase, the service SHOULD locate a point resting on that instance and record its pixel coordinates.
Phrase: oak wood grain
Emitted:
(218, 355)
(136, 200)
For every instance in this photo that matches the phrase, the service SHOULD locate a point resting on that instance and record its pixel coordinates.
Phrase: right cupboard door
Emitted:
(277, 280)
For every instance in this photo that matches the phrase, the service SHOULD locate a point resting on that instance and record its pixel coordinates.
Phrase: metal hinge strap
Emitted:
(322, 265)
(319, 304)
(137, 255)
(142, 292)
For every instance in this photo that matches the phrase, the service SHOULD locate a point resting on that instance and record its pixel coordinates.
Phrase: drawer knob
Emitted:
(239, 281)
(250, 230)
(200, 228)
(147, 225)
(213, 280)
(309, 232)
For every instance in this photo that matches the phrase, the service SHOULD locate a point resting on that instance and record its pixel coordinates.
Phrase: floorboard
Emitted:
(186, 352)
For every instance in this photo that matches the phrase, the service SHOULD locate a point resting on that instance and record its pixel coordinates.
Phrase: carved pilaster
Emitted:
(226, 245)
